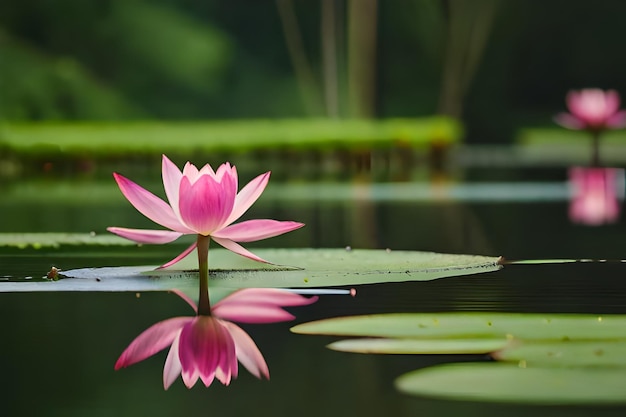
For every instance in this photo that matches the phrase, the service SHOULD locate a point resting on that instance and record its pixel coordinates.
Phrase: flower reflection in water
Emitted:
(207, 347)
(596, 194)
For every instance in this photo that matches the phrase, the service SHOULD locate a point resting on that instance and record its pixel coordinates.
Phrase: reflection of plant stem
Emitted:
(595, 148)
(204, 305)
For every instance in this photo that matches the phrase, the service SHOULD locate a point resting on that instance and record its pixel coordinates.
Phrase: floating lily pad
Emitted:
(420, 346)
(55, 240)
(299, 268)
(334, 267)
(527, 326)
(507, 383)
(566, 354)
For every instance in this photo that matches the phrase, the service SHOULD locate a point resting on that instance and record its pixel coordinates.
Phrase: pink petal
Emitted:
(149, 205)
(247, 196)
(227, 363)
(611, 99)
(206, 170)
(172, 367)
(593, 107)
(227, 169)
(595, 200)
(252, 313)
(171, 182)
(568, 121)
(586, 104)
(617, 121)
(247, 352)
(206, 204)
(190, 378)
(573, 99)
(146, 236)
(187, 354)
(180, 257)
(253, 230)
(259, 305)
(191, 172)
(151, 341)
(205, 345)
(238, 249)
(276, 296)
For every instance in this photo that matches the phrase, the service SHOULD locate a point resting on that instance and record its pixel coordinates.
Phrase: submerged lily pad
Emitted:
(55, 240)
(527, 326)
(567, 354)
(420, 346)
(507, 383)
(299, 268)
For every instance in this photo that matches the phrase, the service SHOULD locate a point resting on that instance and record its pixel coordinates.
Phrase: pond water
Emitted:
(58, 349)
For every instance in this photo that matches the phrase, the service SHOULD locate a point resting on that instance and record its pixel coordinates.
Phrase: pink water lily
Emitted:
(207, 347)
(595, 111)
(204, 203)
(595, 195)
(592, 109)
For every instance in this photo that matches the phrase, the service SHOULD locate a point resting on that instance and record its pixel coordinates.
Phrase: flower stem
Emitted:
(204, 305)
(595, 149)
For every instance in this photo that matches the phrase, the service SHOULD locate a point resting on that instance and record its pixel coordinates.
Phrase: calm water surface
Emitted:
(58, 350)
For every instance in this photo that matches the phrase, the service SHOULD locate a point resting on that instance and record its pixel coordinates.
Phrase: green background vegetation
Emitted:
(497, 65)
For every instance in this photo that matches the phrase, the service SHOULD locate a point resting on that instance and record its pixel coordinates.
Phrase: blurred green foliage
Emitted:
(229, 136)
(186, 59)
(37, 86)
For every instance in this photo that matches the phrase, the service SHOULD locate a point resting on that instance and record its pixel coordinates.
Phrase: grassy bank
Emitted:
(227, 136)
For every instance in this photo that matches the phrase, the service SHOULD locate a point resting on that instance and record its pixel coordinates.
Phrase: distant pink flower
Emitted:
(206, 347)
(201, 202)
(595, 195)
(592, 109)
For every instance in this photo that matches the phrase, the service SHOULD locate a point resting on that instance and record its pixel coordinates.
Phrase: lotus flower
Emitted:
(207, 347)
(204, 203)
(592, 109)
(595, 195)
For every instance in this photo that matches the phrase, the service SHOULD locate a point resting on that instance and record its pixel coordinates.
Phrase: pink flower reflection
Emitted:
(592, 109)
(201, 202)
(207, 347)
(595, 194)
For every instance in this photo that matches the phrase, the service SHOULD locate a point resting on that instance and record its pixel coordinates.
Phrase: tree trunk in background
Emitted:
(469, 24)
(302, 68)
(362, 31)
(328, 31)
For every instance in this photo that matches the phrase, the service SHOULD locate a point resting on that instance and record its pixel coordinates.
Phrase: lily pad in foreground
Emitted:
(56, 240)
(507, 383)
(460, 325)
(544, 358)
(420, 346)
(598, 353)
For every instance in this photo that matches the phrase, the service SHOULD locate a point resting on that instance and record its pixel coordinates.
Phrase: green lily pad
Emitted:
(582, 353)
(507, 383)
(334, 267)
(420, 346)
(55, 240)
(299, 268)
(526, 326)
